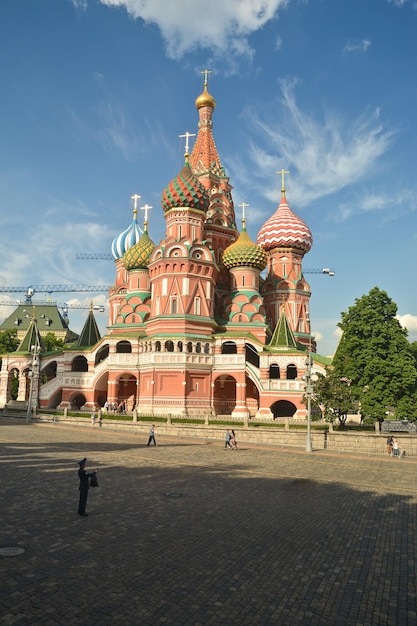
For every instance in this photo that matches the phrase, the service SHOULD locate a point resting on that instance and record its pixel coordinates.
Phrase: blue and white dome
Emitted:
(126, 239)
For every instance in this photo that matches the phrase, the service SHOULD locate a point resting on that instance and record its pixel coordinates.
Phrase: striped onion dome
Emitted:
(185, 190)
(285, 230)
(244, 252)
(126, 239)
(137, 257)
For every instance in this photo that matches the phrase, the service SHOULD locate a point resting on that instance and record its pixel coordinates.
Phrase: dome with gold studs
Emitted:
(137, 257)
(185, 190)
(244, 252)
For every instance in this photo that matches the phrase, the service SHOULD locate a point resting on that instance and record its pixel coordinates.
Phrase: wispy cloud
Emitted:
(357, 46)
(393, 205)
(323, 156)
(219, 26)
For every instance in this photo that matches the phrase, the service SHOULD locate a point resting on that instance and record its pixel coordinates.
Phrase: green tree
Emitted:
(334, 396)
(8, 340)
(51, 342)
(375, 356)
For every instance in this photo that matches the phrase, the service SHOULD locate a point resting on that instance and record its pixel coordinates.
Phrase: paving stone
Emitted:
(185, 535)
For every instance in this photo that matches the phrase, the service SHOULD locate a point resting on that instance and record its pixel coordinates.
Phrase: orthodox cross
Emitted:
(187, 135)
(282, 172)
(146, 209)
(243, 205)
(206, 73)
(135, 199)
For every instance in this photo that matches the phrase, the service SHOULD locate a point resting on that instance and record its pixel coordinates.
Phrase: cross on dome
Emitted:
(146, 208)
(187, 136)
(206, 73)
(243, 205)
(135, 199)
(283, 172)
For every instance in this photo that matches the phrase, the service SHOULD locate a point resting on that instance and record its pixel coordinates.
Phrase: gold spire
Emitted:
(205, 99)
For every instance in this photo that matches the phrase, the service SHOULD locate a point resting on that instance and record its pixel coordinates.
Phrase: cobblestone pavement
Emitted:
(186, 533)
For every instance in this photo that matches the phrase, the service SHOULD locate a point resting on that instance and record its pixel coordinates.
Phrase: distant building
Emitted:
(194, 329)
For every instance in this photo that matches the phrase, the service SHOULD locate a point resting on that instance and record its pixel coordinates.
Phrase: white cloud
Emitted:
(408, 321)
(218, 25)
(323, 157)
(357, 46)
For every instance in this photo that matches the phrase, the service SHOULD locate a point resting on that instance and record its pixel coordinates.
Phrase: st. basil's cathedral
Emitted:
(204, 323)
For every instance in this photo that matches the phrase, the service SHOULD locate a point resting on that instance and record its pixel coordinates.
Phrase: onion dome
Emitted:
(244, 252)
(185, 190)
(205, 99)
(285, 230)
(137, 257)
(126, 239)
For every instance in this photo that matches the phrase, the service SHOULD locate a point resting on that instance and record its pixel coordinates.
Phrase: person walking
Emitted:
(233, 441)
(396, 448)
(389, 445)
(84, 486)
(151, 435)
(227, 439)
(93, 419)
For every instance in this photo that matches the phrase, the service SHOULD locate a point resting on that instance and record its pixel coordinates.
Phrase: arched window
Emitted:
(198, 347)
(79, 364)
(197, 306)
(179, 346)
(124, 347)
(157, 346)
(274, 373)
(189, 346)
(251, 355)
(291, 372)
(206, 348)
(169, 346)
(101, 354)
(229, 347)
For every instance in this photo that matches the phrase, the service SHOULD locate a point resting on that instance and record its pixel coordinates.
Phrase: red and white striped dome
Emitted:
(284, 229)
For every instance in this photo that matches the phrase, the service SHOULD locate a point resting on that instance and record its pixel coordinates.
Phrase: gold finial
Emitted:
(206, 73)
(135, 199)
(205, 99)
(91, 306)
(243, 205)
(187, 135)
(145, 208)
(282, 172)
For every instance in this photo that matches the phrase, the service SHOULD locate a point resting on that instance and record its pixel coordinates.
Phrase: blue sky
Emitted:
(95, 94)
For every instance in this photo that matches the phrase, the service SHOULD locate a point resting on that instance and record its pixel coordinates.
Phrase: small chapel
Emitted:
(205, 322)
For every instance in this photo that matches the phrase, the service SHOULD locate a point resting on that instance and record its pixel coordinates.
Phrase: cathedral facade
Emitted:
(205, 322)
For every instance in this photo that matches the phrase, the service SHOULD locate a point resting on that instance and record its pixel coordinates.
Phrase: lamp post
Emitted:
(309, 379)
(34, 378)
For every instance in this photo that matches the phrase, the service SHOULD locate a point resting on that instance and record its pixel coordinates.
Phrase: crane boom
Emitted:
(95, 256)
(32, 289)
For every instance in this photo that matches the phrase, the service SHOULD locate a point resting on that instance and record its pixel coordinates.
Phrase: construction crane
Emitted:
(326, 270)
(95, 256)
(32, 289)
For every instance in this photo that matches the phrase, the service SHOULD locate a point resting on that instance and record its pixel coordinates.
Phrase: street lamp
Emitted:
(34, 378)
(309, 379)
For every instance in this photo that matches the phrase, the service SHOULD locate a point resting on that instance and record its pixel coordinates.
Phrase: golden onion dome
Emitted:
(244, 252)
(137, 257)
(205, 100)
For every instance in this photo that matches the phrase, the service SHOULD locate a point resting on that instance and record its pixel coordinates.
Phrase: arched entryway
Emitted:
(224, 394)
(77, 401)
(252, 397)
(283, 408)
(126, 392)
